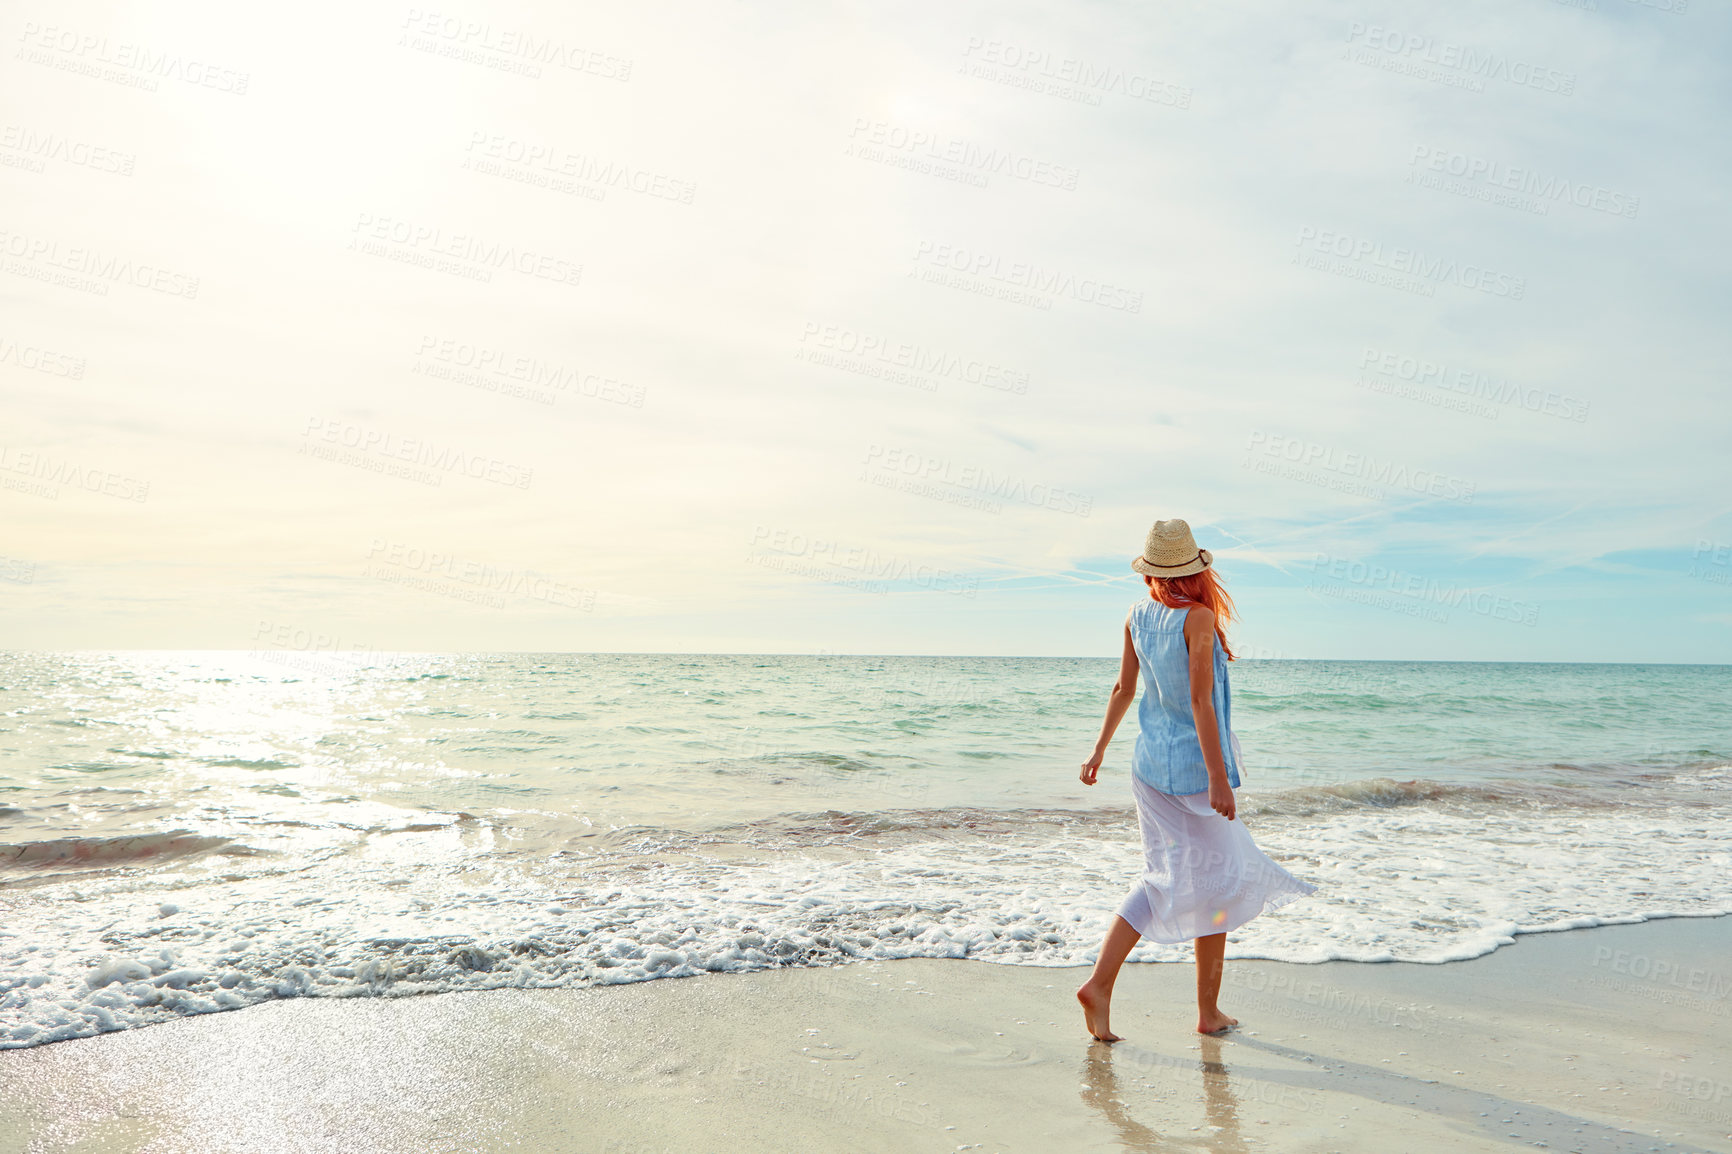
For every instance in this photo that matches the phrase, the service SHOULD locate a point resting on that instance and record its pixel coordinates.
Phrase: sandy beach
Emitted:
(1601, 1040)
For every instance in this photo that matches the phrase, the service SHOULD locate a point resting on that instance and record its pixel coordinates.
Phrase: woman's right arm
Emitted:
(1200, 641)
(1124, 692)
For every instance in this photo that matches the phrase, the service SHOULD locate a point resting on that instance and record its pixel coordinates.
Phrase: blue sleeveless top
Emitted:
(1168, 756)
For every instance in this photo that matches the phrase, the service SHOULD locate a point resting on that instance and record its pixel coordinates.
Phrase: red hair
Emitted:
(1202, 588)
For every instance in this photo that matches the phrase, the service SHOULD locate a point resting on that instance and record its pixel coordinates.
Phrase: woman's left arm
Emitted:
(1124, 692)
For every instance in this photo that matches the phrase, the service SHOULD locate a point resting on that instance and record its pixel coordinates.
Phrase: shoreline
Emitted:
(1603, 1039)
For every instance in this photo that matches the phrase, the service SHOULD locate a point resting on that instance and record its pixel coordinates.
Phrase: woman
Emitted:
(1204, 875)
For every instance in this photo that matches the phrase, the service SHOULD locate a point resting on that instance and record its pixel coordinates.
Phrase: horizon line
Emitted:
(740, 653)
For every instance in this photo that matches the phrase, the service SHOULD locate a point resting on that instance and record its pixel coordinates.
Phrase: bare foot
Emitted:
(1215, 1023)
(1095, 1010)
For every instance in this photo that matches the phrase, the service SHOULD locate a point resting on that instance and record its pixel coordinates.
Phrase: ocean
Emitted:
(183, 833)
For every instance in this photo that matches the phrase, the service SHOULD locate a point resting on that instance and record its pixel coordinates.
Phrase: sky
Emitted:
(870, 328)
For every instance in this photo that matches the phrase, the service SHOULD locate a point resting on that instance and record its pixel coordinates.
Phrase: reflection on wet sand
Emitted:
(1219, 1105)
(1102, 1091)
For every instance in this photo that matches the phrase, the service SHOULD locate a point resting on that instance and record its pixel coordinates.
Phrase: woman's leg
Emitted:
(1211, 955)
(1096, 994)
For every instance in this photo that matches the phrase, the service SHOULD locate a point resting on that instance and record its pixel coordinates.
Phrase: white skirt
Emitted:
(1203, 874)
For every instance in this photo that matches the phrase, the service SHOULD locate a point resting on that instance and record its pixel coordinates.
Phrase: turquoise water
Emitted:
(695, 741)
(341, 824)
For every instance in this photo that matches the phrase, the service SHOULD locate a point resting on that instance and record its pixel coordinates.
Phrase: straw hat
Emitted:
(1171, 551)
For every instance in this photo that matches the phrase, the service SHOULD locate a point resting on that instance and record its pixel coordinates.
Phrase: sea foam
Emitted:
(1406, 872)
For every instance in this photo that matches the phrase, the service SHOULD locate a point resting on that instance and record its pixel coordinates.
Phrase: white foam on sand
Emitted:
(422, 907)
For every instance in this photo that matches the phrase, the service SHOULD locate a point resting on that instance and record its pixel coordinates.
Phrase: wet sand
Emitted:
(1601, 1040)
